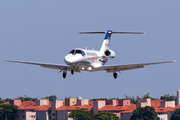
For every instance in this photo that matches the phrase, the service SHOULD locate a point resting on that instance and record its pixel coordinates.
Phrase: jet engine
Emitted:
(110, 54)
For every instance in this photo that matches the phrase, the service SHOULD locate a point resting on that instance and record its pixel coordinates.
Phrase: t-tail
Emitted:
(106, 42)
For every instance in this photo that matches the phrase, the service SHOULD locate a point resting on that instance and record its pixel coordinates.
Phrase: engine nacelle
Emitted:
(110, 54)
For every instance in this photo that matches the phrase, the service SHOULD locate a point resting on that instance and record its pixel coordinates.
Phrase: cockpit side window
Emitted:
(80, 52)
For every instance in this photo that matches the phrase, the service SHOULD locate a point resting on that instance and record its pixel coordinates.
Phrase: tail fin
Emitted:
(106, 42)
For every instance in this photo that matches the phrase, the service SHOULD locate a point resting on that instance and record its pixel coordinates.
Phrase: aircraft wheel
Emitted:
(64, 74)
(72, 72)
(115, 75)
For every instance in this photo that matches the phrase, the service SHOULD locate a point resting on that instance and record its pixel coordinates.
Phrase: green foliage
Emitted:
(4, 100)
(81, 114)
(26, 98)
(98, 99)
(147, 96)
(51, 97)
(166, 97)
(144, 113)
(175, 115)
(9, 112)
(134, 100)
(106, 116)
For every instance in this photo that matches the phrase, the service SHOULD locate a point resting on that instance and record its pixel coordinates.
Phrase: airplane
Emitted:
(79, 59)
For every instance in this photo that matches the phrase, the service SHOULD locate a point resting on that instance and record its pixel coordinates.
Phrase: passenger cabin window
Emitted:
(77, 52)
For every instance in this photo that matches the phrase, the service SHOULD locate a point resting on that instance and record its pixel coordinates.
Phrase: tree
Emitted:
(147, 96)
(98, 99)
(4, 100)
(175, 115)
(81, 114)
(144, 113)
(8, 112)
(51, 97)
(166, 97)
(106, 116)
(26, 98)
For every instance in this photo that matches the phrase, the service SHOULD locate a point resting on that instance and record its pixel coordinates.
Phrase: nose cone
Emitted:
(72, 59)
(69, 59)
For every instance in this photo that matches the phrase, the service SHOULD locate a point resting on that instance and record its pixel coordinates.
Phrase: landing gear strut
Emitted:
(64, 74)
(72, 71)
(115, 75)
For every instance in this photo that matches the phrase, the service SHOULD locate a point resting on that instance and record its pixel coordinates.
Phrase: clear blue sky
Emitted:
(46, 30)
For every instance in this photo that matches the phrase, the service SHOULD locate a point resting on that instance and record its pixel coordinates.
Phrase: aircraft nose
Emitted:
(69, 59)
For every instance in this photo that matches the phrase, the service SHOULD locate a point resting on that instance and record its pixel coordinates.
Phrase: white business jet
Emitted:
(78, 59)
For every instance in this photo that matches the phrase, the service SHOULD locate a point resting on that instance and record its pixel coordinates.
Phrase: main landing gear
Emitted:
(72, 71)
(65, 73)
(115, 75)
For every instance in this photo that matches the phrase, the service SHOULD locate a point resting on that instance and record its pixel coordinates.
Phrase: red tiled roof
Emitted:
(5, 103)
(74, 107)
(89, 107)
(178, 106)
(28, 103)
(91, 103)
(127, 111)
(164, 110)
(67, 108)
(127, 107)
(43, 108)
(110, 108)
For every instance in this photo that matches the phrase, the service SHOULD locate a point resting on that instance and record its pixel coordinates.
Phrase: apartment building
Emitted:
(59, 110)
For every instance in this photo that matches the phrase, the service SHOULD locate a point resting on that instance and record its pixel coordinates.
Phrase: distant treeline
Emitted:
(165, 97)
(133, 100)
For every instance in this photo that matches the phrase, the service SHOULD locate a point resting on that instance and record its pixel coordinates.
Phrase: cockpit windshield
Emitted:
(73, 52)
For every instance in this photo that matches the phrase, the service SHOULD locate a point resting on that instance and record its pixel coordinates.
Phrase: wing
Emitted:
(49, 65)
(113, 68)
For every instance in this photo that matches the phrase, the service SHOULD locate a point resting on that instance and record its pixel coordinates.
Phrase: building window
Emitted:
(53, 114)
(23, 116)
(121, 114)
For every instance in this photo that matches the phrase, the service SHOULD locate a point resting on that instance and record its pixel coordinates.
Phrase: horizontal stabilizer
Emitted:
(112, 32)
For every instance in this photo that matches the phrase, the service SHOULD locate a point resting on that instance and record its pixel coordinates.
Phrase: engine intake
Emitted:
(107, 53)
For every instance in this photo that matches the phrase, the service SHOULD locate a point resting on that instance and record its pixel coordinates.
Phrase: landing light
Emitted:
(82, 68)
(89, 68)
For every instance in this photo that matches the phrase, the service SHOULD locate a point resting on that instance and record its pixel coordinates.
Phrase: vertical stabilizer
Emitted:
(106, 42)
